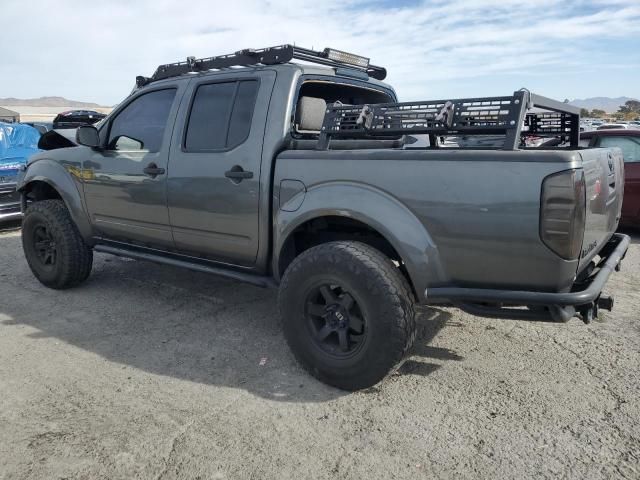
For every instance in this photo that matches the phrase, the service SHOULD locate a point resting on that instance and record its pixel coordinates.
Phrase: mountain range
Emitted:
(47, 102)
(608, 104)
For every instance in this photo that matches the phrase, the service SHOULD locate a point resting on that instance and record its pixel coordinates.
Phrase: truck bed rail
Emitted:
(509, 115)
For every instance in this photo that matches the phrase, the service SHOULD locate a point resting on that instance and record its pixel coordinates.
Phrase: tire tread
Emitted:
(386, 281)
(76, 256)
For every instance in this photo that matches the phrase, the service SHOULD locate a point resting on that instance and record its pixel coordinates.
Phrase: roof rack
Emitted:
(265, 56)
(466, 116)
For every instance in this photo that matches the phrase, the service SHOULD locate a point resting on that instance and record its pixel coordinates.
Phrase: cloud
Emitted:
(93, 50)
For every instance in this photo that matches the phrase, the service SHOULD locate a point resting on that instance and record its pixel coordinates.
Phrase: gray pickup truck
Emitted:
(314, 179)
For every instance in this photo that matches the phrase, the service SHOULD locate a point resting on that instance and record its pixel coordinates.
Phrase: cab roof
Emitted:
(272, 56)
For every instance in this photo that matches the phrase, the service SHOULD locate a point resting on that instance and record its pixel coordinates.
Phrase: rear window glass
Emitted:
(315, 95)
(221, 115)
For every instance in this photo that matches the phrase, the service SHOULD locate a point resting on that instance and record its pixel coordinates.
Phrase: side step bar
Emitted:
(258, 280)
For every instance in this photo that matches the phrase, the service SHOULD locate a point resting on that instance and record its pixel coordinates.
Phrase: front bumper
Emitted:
(584, 298)
(9, 202)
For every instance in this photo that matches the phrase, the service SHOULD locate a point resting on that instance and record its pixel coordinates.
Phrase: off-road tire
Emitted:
(73, 258)
(384, 298)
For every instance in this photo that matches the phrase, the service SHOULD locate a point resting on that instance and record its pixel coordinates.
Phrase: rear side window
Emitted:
(141, 125)
(220, 117)
(630, 147)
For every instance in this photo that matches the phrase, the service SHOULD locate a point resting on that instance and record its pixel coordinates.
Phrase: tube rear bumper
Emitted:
(584, 297)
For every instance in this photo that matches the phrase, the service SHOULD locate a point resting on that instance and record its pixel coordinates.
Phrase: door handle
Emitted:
(153, 170)
(237, 174)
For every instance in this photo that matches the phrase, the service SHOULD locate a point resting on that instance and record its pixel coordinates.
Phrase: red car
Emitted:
(629, 142)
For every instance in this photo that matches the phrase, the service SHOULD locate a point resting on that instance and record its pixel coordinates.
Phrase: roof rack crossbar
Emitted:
(466, 116)
(265, 56)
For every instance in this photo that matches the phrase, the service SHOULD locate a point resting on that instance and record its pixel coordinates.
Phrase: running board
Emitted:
(258, 280)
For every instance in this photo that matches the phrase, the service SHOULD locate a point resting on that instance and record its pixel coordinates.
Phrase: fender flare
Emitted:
(59, 177)
(373, 207)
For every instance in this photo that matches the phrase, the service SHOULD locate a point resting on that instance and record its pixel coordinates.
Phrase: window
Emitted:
(630, 146)
(221, 115)
(141, 125)
(315, 95)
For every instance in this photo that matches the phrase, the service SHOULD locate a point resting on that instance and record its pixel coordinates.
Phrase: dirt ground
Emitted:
(147, 371)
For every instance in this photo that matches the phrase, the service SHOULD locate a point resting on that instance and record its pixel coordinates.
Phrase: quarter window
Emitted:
(221, 114)
(142, 123)
(630, 147)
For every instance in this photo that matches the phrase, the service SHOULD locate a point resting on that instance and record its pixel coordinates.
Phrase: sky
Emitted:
(92, 50)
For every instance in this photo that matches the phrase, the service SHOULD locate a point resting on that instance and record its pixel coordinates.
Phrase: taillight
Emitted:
(563, 212)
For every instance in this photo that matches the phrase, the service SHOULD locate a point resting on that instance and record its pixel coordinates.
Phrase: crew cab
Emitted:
(311, 179)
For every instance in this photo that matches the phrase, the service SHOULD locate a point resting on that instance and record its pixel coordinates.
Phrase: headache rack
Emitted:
(266, 56)
(515, 116)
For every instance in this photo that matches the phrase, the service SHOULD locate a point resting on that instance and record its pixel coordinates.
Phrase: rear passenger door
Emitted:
(214, 186)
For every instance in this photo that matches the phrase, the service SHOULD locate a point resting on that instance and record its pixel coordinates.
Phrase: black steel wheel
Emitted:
(337, 324)
(44, 245)
(347, 313)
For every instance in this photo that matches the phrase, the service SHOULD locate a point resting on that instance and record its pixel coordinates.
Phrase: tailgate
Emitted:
(604, 178)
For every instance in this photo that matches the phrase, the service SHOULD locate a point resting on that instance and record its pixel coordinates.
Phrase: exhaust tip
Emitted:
(605, 302)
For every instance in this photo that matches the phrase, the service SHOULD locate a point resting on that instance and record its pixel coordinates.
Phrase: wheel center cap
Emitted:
(336, 316)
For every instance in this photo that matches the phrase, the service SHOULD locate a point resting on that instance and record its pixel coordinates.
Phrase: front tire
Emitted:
(55, 251)
(347, 312)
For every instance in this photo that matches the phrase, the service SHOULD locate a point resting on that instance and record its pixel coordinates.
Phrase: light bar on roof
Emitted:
(345, 57)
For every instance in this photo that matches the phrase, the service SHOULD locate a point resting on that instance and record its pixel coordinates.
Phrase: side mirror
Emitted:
(88, 136)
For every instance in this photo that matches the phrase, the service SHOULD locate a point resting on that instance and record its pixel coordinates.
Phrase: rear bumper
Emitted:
(9, 202)
(584, 298)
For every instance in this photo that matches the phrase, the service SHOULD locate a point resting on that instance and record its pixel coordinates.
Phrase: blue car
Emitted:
(17, 143)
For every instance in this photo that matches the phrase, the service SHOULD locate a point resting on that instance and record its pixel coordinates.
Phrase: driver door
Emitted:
(125, 183)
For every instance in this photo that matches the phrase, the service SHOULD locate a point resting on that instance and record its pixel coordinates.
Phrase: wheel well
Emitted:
(332, 228)
(39, 190)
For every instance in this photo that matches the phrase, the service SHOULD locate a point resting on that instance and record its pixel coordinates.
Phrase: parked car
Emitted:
(628, 140)
(76, 118)
(299, 177)
(614, 126)
(17, 143)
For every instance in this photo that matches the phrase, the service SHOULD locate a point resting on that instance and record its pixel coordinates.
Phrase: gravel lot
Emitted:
(148, 371)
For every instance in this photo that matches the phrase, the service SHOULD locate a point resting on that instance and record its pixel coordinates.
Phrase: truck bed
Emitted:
(479, 208)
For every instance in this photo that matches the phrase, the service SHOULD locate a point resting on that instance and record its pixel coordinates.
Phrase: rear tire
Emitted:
(55, 251)
(348, 313)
